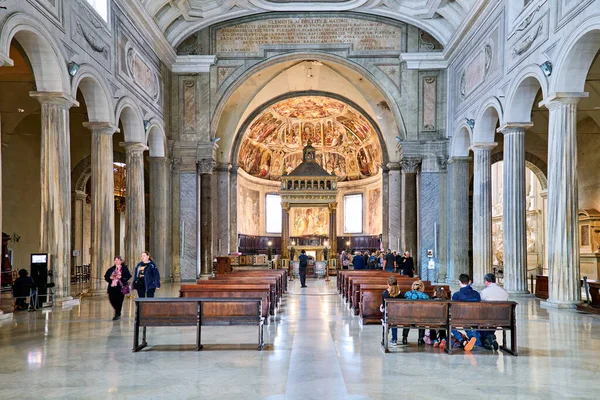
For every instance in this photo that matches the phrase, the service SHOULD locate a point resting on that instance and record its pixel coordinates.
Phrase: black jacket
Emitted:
(125, 275)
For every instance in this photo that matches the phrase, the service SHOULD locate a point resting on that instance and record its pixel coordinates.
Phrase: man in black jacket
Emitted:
(407, 265)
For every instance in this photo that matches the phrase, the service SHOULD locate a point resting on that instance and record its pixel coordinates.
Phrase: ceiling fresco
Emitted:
(346, 143)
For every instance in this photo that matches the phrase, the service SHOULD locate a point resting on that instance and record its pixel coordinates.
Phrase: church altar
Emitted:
(315, 269)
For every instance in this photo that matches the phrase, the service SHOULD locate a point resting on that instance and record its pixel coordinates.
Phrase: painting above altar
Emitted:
(311, 221)
(346, 143)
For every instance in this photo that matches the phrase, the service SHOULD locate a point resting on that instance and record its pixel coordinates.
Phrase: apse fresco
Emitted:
(309, 221)
(249, 211)
(374, 214)
(346, 143)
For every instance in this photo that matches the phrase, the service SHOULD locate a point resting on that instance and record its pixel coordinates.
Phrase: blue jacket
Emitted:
(466, 293)
(415, 295)
(151, 275)
(358, 261)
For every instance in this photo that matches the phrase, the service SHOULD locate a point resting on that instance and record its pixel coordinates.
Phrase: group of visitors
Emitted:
(467, 340)
(146, 280)
(390, 261)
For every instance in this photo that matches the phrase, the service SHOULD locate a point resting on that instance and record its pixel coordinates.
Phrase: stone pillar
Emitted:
(482, 211)
(385, 193)
(55, 221)
(563, 238)
(176, 222)
(77, 225)
(394, 214)
(159, 212)
(544, 196)
(514, 224)
(222, 210)
(233, 192)
(410, 168)
(135, 224)
(333, 230)
(204, 243)
(458, 260)
(103, 203)
(285, 230)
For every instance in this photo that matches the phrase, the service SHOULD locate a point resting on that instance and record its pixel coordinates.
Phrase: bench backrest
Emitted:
(482, 313)
(418, 312)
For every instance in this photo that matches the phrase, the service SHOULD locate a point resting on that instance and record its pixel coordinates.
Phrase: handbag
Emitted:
(125, 289)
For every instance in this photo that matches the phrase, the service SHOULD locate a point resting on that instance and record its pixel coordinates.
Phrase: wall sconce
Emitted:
(470, 123)
(73, 67)
(146, 125)
(546, 68)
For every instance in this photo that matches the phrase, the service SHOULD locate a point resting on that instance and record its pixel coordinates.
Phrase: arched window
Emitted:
(101, 7)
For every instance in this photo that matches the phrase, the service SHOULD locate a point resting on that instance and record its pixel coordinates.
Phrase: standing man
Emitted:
(492, 292)
(389, 264)
(303, 265)
(358, 261)
(408, 266)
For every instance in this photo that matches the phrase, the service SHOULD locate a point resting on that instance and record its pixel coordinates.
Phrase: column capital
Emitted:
(544, 194)
(410, 165)
(459, 159)
(394, 166)
(285, 206)
(57, 98)
(514, 127)
(333, 206)
(134, 146)
(482, 146)
(79, 195)
(442, 162)
(205, 166)
(101, 128)
(176, 165)
(561, 98)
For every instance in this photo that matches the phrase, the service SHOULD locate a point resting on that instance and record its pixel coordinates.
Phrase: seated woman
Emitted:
(416, 293)
(23, 287)
(438, 338)
(392, 291)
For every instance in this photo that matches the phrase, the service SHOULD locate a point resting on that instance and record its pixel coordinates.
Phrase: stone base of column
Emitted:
(177, 279)
(205, 277)
(66, 301)
(519, 292)
(6, 316)
(559, 304)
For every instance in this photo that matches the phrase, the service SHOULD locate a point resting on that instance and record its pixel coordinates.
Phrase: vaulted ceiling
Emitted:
(180, 18)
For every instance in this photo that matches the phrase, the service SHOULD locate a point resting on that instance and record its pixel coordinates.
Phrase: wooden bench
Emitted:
(250, 278)
(196, 312)
(404, 285)
(280, 274)
(348, 278)
(225, 290)
(274, 297)
(449, 315)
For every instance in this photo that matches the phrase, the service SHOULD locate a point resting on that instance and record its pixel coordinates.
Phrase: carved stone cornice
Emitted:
(205, 166)
(514, 127)
(176, 165)
(56, 98)
(410, 165)
(133, 148)
(482, 146)
(561, 98)
(101, 128)
(442, 162)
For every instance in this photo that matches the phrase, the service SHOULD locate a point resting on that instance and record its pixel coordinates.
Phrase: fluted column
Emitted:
(103, 203)
(55, 174)
(385, 194)
(233, 192)
(285, 230)
(514, 224)
(563, 238)
(333, 229)
(159, 221)
(204, 239)
(176, 222)
(135, 222)
(458, 174)
(482, 211)
(410, 168)
(394, 216)
(77, 225)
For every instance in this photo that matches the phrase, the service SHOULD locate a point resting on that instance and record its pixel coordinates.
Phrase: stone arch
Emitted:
(523, 92)
(43, 52)
(576, 56)
(240, 133)
(487, 118)
(83, 171)
(460, 142)
(533, 162)
(96, 94)
(370, 76)
(128, 112)
(157, 141)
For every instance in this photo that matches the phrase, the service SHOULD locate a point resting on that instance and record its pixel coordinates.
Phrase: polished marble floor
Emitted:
(315, 349)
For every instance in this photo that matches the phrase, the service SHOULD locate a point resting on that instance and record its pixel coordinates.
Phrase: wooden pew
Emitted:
(405, 284)
(234, 282)
(481, 316)
(367, 273)
(243, 277)
(281, 274)
(225, 290)
(196, 312)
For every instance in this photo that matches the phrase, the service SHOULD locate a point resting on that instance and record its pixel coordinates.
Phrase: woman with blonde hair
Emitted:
(416, 293)
(392, 291)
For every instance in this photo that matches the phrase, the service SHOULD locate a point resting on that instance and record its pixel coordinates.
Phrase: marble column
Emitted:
(410, 168)
(394, 214)
(135, 225)
(103, 203)
(233, 193)
(222, 210)
(563, 228)
(514, 220)
(333, 230)
(159, 212)
(458, 260)
(285, 230)
(176, 222)
(385, 193)
(482, 211)
(544, 196)
(55, 174)
(204, 239)
(77, 225)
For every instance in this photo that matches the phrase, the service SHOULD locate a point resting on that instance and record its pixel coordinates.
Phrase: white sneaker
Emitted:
(393, 343)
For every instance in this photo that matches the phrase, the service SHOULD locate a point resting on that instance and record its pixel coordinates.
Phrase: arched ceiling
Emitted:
(180, 18)
(347, 144)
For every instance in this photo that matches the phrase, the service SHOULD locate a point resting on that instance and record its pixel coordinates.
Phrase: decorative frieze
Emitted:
(429, 103)
(141, 72)
(189, 106)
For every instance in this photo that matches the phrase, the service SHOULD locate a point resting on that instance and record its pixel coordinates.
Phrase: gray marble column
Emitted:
(204, 243)
(514, 223)
(458, 259)
(55, 174)
(77, 225)
(176, 222)
(563, 229)
(385, 193)
(159, 212)
(135, 225)
(394, 211)
(103, 203)
(233, 192)
(410, 168)
(482, 211)
(222, 210)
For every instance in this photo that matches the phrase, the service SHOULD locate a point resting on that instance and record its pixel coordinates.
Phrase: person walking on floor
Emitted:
(118, 277)
(146, 277)
(302, 267)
